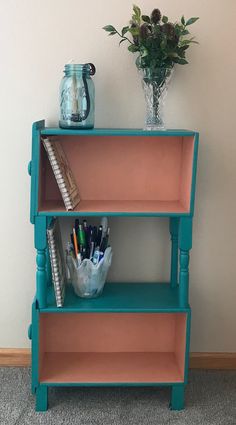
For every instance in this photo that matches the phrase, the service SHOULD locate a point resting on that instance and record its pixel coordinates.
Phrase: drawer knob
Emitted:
(30, 331)
(29, 167)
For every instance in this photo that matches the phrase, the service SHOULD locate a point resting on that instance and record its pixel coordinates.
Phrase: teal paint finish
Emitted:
(183, 278)
(112, 384)
(41, 260)
(117, 297)
(177, 397)
(34, 168)
(41, 278)
(109, 214)
(174, 232)
(185, 233)
(194, 173)
(116, 132)
(121, 298)
(185, 244)
(48, 268)
(187, 350)
(40, 235)
(41, 398)
(35, 348)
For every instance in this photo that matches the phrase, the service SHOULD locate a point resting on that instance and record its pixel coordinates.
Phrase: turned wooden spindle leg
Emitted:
(183, 277)
(41, 274)
(185, 244)
(41, 277)
(174, 230)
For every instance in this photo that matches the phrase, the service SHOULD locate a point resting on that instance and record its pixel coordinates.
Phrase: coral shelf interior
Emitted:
(112, 347)
(123, 174)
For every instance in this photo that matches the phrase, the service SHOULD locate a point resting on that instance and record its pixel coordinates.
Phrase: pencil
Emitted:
(75, 243)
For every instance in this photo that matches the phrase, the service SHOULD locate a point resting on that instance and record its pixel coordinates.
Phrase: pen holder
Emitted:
(88, 279)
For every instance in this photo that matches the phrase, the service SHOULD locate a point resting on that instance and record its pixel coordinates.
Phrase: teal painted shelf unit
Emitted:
(135, 333)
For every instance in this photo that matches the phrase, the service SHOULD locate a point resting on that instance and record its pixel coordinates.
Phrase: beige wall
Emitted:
(36, 39)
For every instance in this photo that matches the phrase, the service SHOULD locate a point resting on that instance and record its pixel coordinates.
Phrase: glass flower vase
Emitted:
(155, 85)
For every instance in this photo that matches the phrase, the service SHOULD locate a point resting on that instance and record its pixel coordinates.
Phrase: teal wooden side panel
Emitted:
(187, 350)
(33, 168)
(194, 173)
(35, 347)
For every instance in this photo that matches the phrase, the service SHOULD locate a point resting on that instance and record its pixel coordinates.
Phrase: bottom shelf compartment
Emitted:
(100, 348)
(101, 368)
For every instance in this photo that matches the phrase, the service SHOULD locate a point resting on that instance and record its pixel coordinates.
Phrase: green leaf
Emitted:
(183, 20)
(191, 21)
(132, 48)
(186, 42)
(163, 43)
(184, 47)
(164, 19)
(124, 30)
(146, 18)
(180, 61)
(137, 11)
(185, 32)
(109, 28)
(112, 33)
(144, 52)
(134, 31)
(121, 41)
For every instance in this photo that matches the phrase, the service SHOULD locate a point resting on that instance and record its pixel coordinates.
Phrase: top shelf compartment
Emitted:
(123, 172)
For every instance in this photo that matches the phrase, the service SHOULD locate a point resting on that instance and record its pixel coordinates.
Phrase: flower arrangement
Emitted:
(159, 42)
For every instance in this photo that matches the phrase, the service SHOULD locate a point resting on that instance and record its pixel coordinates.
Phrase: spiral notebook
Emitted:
(62, 172)
(56, 259)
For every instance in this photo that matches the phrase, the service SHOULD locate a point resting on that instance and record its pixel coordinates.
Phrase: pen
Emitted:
(104, 243)
(99, 236)
(76, 225)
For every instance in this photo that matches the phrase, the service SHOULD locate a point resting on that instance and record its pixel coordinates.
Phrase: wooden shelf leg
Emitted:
(184, 278)
(174, 233)
(41, 398)
(185, 244)
(41, 274)
(177, 397)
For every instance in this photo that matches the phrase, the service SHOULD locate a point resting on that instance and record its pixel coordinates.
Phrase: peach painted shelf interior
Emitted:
(123, 174)
(112, 347)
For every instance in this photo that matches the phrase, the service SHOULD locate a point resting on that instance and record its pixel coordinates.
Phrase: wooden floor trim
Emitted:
(21, 357)
(14, 357)
(218, 361)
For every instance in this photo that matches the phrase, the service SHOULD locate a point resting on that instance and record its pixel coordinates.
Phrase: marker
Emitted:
(77, 254)
(81, 236)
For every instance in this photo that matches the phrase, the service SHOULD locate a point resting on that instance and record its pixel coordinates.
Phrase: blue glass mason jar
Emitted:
(77, 94)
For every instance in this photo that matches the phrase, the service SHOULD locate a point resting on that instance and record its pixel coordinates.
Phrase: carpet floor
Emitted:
(210, 400)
